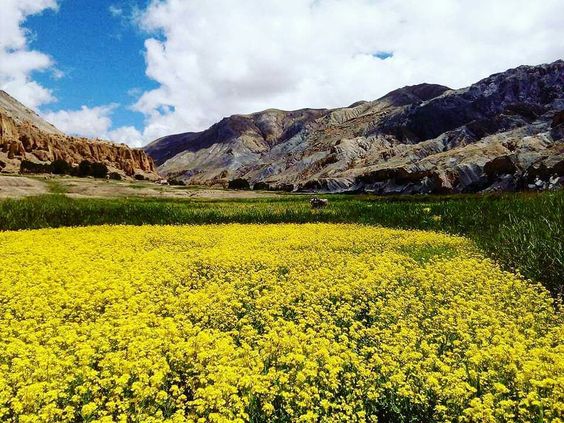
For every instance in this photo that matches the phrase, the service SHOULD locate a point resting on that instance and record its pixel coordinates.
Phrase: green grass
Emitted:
(55, 186)
(524, 232)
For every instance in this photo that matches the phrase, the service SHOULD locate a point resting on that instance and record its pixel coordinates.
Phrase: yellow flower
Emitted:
(234, 323)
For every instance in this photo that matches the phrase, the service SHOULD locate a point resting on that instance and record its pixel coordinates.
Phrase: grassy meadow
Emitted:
(523, 232)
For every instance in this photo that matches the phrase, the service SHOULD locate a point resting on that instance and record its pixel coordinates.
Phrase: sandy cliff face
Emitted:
(25, 136)
(498, 134)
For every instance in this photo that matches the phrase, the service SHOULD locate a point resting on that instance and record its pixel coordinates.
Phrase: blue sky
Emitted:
(101, 57)
(135, 70)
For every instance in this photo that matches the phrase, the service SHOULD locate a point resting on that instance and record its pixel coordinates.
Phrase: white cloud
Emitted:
(115, 10)
(86, 122)
(216, 58)
(17, 62)
(128, 135)
(94, 122)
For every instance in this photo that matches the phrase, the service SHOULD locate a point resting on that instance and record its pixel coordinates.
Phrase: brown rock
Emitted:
(23, 139)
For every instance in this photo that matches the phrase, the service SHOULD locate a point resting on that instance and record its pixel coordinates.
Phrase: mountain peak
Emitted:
(494, 134)
(414, 94)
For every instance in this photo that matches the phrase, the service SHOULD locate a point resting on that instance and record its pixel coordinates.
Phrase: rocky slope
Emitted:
(503, 133)
(26, 136)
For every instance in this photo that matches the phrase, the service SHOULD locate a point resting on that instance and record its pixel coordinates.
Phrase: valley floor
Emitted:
(16, 186)
(21, 186)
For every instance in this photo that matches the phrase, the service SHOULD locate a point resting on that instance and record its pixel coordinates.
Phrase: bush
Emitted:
(61, 167)
(176, 182)
(261, 186)
(84, 168)
(139, 177)
(99, 170)
(27, 166)
(87, 168)
(115, 176)
(285, 187)
(239, 183)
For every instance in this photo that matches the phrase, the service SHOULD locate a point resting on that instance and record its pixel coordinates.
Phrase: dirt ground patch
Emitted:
(21, 186)
(80, 188)
(87, 187)
(15, 186)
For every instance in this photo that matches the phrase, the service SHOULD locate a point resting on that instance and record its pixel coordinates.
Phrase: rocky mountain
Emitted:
(505, 132)
(24, 135)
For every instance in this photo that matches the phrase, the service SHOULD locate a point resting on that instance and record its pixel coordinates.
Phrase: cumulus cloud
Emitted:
(126, 134)
(17, 61)
(216, 58)
(94, 122)
(87, 122)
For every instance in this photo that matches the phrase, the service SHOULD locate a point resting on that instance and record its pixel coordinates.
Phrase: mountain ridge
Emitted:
(21, 113)
(421, 138)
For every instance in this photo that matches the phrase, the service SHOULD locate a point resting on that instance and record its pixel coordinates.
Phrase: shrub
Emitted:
(285, 187)
(176, 182)
(115, 176)
(96, 169)
(239, 183)
(99, 170)
(139, 177)
(27, 166)
(84, 168)
(61, 167)
(261, 186)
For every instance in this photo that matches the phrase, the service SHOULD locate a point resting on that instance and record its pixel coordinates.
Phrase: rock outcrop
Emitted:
(503, 133)
(26, 136)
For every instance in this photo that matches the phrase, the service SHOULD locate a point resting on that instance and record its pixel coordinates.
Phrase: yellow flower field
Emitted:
(312, 322)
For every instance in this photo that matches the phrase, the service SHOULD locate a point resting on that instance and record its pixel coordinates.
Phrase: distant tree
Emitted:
(176, 182)
(261, 186)
(285, 187)
(84, 168)
(99, 170)
(115, 176)
(239, 183)
(27, 166)
(61, 167)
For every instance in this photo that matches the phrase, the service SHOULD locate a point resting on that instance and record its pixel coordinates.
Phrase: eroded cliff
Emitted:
(25, 136)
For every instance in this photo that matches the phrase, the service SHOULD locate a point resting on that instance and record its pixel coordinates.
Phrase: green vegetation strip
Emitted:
(524, 232)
